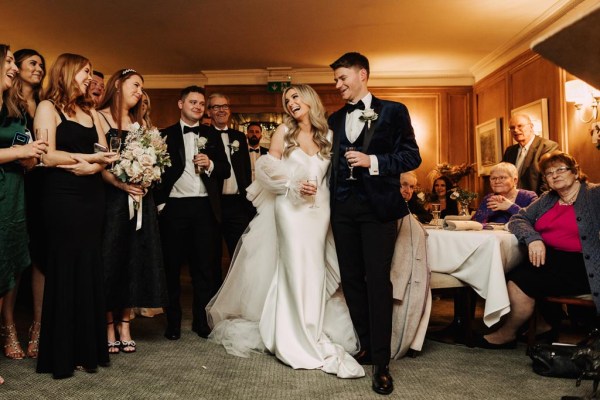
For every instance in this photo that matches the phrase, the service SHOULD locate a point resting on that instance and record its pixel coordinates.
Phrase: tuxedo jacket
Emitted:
(214, 150)
(530, 177)
(240, 159)
(392, 140)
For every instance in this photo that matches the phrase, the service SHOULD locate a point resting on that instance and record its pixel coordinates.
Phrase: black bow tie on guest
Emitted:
(250, 149)
(358, 106)
(195, 129)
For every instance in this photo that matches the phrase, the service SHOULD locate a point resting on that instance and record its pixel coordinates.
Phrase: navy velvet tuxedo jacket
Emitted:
(391, 138)
(215, 151)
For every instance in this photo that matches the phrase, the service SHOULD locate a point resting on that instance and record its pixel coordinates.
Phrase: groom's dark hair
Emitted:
(352, 59)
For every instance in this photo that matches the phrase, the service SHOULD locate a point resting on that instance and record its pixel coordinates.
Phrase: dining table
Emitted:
(479, 258)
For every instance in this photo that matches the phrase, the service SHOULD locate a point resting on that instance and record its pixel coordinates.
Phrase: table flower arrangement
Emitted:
(142, 161)
(464, 197)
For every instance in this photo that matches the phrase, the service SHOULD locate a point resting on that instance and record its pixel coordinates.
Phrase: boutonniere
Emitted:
(201, 142)
(367, 116)
(234, 146)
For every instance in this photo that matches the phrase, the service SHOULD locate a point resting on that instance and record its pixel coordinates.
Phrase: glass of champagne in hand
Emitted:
(313, 182)
(200, 143)
(114, 146)
(41, 134)
(351, 177)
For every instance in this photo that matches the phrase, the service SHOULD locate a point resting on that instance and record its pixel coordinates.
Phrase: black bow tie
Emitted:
(358, 106)
(253, 150)
(195, 129)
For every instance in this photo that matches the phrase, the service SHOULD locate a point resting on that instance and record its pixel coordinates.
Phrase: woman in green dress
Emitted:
(17, 152)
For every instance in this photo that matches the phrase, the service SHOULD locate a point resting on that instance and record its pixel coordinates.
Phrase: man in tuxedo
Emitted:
(189, 202)
(526, 154)
(236, 209)
(254, 134)
(365, 210)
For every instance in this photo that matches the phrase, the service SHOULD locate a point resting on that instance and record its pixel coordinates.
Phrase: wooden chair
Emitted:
(580, 301)
(463, 294)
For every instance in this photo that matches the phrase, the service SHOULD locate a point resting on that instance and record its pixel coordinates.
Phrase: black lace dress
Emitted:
(132, 259)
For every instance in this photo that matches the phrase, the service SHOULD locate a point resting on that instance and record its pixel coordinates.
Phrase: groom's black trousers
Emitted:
(365, 247)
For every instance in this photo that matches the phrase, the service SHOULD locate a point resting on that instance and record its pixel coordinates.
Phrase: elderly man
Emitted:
(408, 183)
(237, 211)
(526, 154)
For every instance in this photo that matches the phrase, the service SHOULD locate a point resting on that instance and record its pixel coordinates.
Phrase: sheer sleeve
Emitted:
(275, 177)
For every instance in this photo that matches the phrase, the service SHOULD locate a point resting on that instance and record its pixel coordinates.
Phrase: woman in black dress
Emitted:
(73, 331)
(440, 193)
(132, 258)
(26, 92)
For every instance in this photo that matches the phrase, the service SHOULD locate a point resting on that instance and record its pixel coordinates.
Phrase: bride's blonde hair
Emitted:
(316, 116)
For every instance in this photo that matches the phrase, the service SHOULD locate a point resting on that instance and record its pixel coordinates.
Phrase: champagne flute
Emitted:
(200, 145)
(41, 134)
(313, 182)
(115, 144)
(435, 210)
(351, 177)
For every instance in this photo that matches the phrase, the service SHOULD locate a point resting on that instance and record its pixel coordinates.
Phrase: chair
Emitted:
(584, 300)
(463, 302)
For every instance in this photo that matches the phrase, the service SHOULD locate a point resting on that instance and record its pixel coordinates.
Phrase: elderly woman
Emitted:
(561, 233)
(506, 200)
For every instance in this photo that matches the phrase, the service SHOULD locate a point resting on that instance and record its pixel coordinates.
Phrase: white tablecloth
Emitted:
(480, 259)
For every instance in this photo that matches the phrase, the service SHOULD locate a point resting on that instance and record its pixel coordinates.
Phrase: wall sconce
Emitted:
(583, 95)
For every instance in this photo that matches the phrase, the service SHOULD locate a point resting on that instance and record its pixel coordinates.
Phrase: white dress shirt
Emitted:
(230, 185)
(354, 127)
(189, 183)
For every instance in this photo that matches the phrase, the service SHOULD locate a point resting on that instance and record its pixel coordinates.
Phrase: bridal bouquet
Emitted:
(142, 161)
(143, 158)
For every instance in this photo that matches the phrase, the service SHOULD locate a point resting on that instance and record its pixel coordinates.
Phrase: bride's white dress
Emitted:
(281, 292)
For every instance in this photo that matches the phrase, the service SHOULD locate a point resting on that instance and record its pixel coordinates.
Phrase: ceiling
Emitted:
(432, 38)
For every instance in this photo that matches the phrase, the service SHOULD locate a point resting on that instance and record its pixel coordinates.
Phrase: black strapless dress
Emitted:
(134, 274)
(74, 312)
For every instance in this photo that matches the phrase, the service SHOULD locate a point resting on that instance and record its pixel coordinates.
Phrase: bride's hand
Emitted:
(307, 189)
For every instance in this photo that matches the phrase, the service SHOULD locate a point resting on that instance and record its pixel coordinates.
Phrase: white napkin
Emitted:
(461, 223)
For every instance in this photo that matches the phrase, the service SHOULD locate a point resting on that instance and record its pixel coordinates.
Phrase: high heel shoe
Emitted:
(113, 347)
(12, 347)
(34, 339)
(127, 346)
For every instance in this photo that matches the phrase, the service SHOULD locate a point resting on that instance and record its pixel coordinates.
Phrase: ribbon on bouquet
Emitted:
(132, 210)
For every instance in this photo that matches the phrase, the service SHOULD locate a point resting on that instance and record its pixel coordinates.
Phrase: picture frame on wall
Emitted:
(538, 112)
(488, 145)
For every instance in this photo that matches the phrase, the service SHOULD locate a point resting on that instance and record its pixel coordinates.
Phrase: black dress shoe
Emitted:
(203, 333)
(480, 341)
(363, 357)
(383, 383)
(172, 333)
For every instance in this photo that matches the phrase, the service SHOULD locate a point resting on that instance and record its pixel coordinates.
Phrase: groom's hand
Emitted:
(358, 159)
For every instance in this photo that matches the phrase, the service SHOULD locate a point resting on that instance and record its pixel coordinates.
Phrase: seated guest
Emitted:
(505, 199)
(408, 182)
(560, 230)
(440, 193)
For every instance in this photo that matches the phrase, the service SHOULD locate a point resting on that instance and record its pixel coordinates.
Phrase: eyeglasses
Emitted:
(218, 107)
(499, 178)
(558, 171)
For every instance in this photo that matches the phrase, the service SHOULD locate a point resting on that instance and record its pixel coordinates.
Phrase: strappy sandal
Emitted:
(34, 339)
(127, 346)
(113, 347)
(12, 347)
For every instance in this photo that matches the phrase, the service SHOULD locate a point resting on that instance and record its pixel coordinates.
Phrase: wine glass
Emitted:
(313, 182)
(115, 144)
(351, 177)
(41, 134)
(435, 210)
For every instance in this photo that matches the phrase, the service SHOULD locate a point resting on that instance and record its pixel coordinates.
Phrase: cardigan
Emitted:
(587, 213)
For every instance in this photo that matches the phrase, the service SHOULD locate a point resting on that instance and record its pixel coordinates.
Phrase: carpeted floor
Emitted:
(193, 368)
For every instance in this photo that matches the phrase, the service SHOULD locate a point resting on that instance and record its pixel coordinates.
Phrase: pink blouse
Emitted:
(558, 227)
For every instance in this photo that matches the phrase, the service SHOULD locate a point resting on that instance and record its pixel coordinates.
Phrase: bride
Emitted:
(281, 293)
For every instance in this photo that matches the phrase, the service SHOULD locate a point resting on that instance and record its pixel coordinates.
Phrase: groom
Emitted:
(365, 210)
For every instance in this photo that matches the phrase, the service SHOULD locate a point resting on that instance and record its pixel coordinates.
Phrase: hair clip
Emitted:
(128, 70)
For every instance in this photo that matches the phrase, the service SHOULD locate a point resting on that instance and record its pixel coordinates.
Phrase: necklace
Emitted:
(571, 199)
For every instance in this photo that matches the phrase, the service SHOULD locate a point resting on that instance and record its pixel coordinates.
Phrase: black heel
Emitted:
(127, 346)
